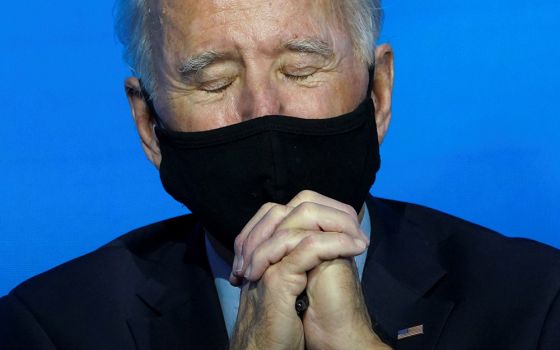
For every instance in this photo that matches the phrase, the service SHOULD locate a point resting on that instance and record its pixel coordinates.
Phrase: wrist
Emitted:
(373, 342)
(364, 340)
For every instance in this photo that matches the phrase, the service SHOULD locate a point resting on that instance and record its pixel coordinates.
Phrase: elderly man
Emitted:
(265, 119)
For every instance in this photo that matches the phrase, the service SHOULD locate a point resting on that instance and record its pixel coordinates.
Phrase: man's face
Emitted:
(220, 62)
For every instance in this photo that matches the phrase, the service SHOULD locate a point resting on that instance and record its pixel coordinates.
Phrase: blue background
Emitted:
(475, 125)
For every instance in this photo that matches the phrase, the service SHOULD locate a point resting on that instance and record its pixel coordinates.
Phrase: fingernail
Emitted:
(233, 280)
(239, 265)
(234, 265)
(361, 244)
(248, 272)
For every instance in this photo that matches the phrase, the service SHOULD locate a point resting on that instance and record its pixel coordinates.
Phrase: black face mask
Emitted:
(225, 175)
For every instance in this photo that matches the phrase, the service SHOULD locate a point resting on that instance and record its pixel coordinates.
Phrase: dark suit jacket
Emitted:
(152, 288)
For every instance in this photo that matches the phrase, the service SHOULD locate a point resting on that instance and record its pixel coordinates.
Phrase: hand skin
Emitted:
(337, 315)
(276, 229)
(313, 234)
(266, 317)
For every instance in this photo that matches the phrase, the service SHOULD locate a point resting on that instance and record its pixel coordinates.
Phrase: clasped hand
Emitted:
(306, 245)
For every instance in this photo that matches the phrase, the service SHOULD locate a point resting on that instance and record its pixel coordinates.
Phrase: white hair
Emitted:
(363, 17)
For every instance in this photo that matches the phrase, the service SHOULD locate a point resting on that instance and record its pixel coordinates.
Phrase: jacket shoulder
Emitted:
(507, 273)
(509, 285)
(443, 229)
(111, 261)
(93, 293)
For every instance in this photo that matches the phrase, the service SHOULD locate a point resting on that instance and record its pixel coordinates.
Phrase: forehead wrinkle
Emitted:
(178, 27)
(240, 17)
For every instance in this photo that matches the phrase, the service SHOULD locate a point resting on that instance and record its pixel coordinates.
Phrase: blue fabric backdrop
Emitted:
(475, 127)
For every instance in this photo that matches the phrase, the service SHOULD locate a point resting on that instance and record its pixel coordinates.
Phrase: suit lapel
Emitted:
(185, 309)
(401, 269)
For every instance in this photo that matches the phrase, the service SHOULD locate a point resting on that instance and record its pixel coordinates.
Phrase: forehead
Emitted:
(188, 26)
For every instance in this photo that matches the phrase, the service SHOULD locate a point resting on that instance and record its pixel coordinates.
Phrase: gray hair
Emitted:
(363, 17)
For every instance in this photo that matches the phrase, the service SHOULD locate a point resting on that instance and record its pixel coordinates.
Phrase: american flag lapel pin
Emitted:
(410, 332)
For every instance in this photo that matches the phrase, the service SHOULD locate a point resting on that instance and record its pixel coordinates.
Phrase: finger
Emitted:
(264, 233)
(306, 217)
(273, 250)
(318, 217)
(238, 244)
(261, 232)
(315, 249)
(302, 251)
(314, 197)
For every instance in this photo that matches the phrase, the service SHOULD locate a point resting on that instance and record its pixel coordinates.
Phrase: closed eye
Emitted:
(216, 87)
(298, 77)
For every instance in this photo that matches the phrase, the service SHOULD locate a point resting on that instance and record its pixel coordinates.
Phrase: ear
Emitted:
(143, 119)
(382, 89)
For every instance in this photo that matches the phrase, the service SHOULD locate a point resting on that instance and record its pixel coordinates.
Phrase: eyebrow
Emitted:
(191, 66)
(311, 46)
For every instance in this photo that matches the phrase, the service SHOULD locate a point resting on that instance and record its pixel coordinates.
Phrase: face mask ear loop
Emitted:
(151, 108)
(371, 77)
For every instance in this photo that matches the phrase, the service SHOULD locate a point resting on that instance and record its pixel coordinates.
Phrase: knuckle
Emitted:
(311, 242)
(277, 211)
(306, 208)
(267, 206)
(304, 196)
(307, 194)
(282, 234)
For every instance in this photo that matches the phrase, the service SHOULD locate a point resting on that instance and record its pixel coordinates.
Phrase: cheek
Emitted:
(191, 116)
(351, 90)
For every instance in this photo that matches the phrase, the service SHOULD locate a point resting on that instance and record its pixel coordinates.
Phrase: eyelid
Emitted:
(305, 69)
(299, 73)
(215, 86)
